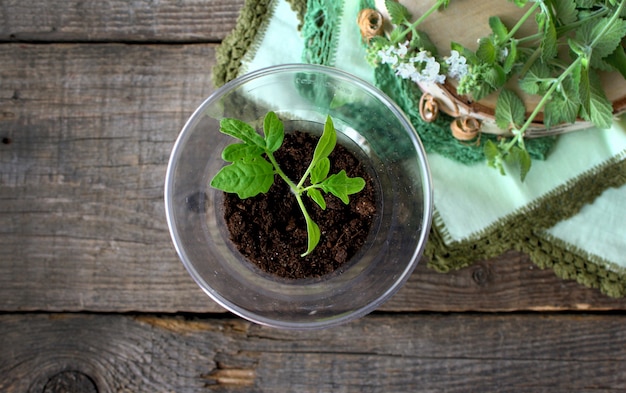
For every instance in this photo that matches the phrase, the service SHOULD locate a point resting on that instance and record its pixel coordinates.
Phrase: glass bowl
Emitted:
(371, 126)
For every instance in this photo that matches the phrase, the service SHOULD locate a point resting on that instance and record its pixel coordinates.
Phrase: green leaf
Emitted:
(511, 57)
(565, 11)
(242, 131)
(617, 60)
(238, 151)
(606, 41)
(601, 36)
(340, 185)
(537, 79)
(486, 52)
(510, 110)
(493, 156)
(563, 107)
(274, 132)
(317, 197)
(422, 41)
(595, 107)
(246, 178)
(314, 234)
(498, 28)
(326, 143)
(495, 76)
(549, 39)
(398, 13)
(522, 157)
(320, 170)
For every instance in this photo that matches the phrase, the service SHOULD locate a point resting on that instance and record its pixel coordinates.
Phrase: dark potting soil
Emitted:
(270, 231)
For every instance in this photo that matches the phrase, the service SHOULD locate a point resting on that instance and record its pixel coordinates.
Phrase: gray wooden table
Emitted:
(93, 297)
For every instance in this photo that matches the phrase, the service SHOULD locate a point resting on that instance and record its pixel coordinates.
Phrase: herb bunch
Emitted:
(574, 40)
(252, 168)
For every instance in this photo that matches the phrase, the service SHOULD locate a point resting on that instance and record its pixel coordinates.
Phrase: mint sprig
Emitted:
(574, 40)
(253, 167)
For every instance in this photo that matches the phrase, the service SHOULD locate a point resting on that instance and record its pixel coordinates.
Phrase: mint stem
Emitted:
(419, 20)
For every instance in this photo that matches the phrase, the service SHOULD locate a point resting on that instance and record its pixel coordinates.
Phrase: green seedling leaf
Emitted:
(238, 151)
(340, 185)
(326, 143)
(274, 132)
(245, 177)
(242, 131)
(314, 234)
(510, 110)
(317, 197)
(320, 171)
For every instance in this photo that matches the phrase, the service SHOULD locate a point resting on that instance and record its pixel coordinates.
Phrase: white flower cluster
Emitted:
(457, 65)
(422, 67)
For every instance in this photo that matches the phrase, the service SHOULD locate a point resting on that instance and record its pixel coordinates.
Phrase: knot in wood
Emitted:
(70, 382)
(370, 22)
(429, 108)
(481, 276)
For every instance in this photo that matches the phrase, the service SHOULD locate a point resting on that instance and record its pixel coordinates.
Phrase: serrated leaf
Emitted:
(498, 28)
(465, 52)
(595, 107)
(511, 57)
(605, 43)
(548, 43)
(242, 131)
(617, 60)
(565, 11)
(563, 107)
(602, 36)
(398, 13)
(537, 79)
(486, 51)
(585, 3)
(238, 151)
(493, 156)
(510, 111)
(523, 160)
(340, 185)
(246, 178)
(319, 172)
(422, 41)
(495, 76)
(317, 197)
(274, 132)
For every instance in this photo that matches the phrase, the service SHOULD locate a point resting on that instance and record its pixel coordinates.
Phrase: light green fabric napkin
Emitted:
(478, 212)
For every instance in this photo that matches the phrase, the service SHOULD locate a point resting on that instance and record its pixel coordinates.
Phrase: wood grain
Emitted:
(117, 20)
(429, 353)
(82, 220)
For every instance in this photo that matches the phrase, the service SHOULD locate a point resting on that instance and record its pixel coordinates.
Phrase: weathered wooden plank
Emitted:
(87, 132)
(431, 353)
(117, 20)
